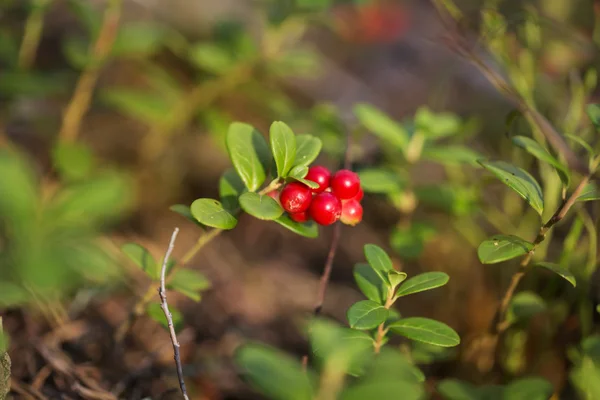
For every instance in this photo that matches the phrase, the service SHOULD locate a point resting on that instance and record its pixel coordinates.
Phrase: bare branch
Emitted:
(162, 292)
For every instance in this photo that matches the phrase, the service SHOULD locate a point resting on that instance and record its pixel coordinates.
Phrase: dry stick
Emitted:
(32, 34)
(81, 99)
(162, 292)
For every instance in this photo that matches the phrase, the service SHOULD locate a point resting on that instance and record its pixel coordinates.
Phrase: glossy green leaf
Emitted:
(501, 248)
(231, 188)
(283, 146)
(211, 213)
(156, 313)
(536, 150)
(308, 148)
(593, 112)
(590, 192)
(249, 154)
(451, 155)
(274, 373)
(12, 295)
(378, 180)
(366, 314)
(142, 258)
(306, 229)
(422, 282)
(73, 161)
(396, 277)
(426, 330)
(379, 260)
(260, 206)
(532, 388)
(185, 212)
(143, 105)
(560, 271)
(369, 282)
(299, 172)
(382, 125)
(189, 283)
(519, 180)
(525, 305)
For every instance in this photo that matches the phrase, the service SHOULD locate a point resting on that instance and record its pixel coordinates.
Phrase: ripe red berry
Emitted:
(295, 197)
(345, 184)
(325, 208)
(359, 196)
(300, 217)
(274, 194)
(352, 212)
(320, 175)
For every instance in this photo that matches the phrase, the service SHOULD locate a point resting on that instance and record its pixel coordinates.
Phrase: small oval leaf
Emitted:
(308, 148)
(536, 150)
(518, 180)
(306, 229)
(299, 172)
(185, 212)
(249, 154)
(260, 206)
(560, 271)
(231, 187)
(366, 314)
(283, 146)
(422, 282)
(379, 260)
(189, 283)
(210, 212)
(589, 193)
(381, 125)
(501, 248)
(142, 258)
(369, 282)
(427, 331)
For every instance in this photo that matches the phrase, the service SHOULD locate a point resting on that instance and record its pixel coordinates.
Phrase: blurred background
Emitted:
(143, 123)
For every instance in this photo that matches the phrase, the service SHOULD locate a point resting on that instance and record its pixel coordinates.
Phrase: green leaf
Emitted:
(436, 125)
(382, 125)
(422, 282)
(210, 212)
(378, 180)
(32, 84)
(396, 277)
(308, 148)
(366, 314)
(231, 188)
(299, 172)
(369, 282)
(143, 259)
(501, 248)
(409, 241)
(260, 206)
(392, 365)
(589, 193)
(593, 112)
(156, 313)
(211, 57)
(18, 188)
(524, 305)
(560, 271)
(426, 330)
(189, 283)
(451, 199)
(519, 180)
(307, 229)
(12, 295)
(582, 143)
(73, 161)
(451, 155)
(143, 105)
(274, 373)
(185, 212)
(453, 389)
(392, 389)
(379, 261)
(283, 146)
(140, 39)
(536, 150)
(249, 154)
(533, 388)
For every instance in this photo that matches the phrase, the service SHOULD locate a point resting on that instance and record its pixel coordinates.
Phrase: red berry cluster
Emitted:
(336, 198)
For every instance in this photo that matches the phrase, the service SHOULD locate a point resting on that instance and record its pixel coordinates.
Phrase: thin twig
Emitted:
(32, 34)
(81, 99)
(162, 292)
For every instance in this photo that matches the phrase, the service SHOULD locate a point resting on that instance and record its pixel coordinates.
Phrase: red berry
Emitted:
(325, 208)
(345, 184)
(359, 196)
(352, 212)
(295, 197)
(274, 194)
(300, 217)
(320, 175)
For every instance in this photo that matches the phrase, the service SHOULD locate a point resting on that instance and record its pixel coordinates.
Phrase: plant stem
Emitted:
(32, 34)
(162, 292)
(500, 321)
(381, 331)
(81, 99)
